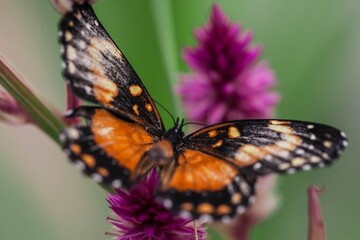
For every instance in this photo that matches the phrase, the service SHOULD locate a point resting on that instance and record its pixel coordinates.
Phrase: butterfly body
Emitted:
(210, 173)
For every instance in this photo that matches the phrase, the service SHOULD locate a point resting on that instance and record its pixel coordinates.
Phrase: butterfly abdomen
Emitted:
(161, 153)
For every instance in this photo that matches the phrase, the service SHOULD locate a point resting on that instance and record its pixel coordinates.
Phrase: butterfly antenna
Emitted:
(195, 123)
(167, 111)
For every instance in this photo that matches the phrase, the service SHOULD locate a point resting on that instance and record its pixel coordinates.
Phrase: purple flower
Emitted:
(139, 216)
(227, 82)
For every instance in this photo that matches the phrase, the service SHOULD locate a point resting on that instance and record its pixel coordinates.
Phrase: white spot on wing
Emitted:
(71, 53)
(72, 133)
(291, 171)
(257, 166)
(251, 199)
(97, 177)
(82, 44)
(185, 214)
(306, 167)
(300, 151)
(88, 89)
(80, 165)
(116, 183)
(205, 218)
(226, 219)
(240, 209)
(245, 188)
(62, 137)
(71, 67)
(167, 203)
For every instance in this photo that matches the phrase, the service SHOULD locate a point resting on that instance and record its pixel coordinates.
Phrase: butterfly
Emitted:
(208, 174)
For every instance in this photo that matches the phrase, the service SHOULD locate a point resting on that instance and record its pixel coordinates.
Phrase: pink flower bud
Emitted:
(316, 220)
(64, 6)
(10, 110)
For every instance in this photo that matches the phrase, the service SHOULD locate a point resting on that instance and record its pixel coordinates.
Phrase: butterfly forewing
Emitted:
(99, 72)
(266, 146)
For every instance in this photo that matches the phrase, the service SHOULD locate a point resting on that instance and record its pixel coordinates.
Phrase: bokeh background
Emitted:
(313, 46)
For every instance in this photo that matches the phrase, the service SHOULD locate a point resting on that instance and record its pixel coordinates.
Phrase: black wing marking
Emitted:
(266, 146)
(99, 72)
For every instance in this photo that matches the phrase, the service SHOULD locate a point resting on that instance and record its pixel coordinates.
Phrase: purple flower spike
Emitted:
(227, 82)
(139, 216)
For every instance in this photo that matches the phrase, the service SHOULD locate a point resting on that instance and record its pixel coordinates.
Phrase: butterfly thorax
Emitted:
(163, 151)
(174, 135)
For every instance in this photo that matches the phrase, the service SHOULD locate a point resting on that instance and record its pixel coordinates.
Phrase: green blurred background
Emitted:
(313, 46)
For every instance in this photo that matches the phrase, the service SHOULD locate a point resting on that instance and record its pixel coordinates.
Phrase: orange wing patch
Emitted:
(123, 141)
(249, 154)
(198, 172)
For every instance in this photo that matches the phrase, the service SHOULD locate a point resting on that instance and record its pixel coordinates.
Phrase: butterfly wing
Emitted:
(99, 72)
(202, 186)
(109, 149)
(215, 169)
(266, 146)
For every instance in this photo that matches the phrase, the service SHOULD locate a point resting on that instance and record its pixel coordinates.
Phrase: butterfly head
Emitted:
(175, 134)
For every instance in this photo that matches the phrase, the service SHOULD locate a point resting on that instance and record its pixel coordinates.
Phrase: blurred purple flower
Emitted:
(10, 111)
(64, 6)
(227, 83)
(139, 216)
(316, 220)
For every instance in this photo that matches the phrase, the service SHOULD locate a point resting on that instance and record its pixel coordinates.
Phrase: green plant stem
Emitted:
(40, 114)
(43, 116)
(161, 11)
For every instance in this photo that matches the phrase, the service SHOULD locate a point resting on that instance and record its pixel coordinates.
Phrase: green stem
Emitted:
(161, 11)
(43, 116)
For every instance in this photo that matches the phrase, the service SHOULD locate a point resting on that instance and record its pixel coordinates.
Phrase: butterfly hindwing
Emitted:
(108, 148)
(266, 146)
(203, 186)
(99, 72)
